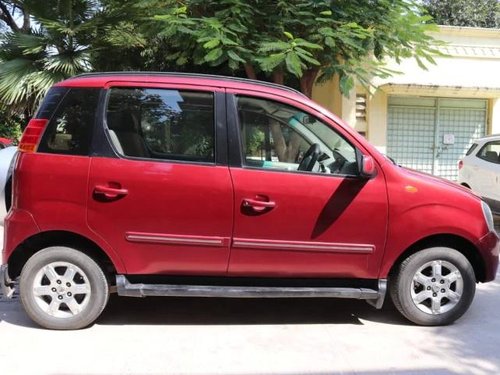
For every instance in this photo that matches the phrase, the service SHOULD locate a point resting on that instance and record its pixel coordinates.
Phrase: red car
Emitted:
(5, 142)
(191, 185)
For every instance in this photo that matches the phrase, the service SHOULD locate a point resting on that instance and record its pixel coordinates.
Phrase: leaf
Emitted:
(293, 64)
(211, 44)
(273, 47)
(330, 42)
(326, 13)
(213, 55)
(234, 56)
(288, 35)
(270, 62)
(346, 84)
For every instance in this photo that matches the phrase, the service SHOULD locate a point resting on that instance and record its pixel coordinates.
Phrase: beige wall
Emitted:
(471, 70)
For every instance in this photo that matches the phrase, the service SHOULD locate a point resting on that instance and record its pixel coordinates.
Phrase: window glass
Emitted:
(490, 152)
(162, 124)
(70, 129)
(278, 136)
(471, 148)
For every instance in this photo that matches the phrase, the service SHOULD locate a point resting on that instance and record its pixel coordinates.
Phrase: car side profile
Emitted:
(167, 184)
(479, 170)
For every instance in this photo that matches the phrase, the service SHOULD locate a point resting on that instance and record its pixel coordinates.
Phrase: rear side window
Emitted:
(70, 128)
(490, 152)
(471, 149)
(162, 124)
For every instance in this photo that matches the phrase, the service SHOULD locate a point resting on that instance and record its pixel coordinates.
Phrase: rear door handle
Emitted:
(109, 192)
(258, 205)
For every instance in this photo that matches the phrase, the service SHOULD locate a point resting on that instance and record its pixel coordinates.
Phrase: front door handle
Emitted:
(258, 205)
(109, 192)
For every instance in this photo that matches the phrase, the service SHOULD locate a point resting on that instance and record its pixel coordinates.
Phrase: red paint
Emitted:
(160, 217)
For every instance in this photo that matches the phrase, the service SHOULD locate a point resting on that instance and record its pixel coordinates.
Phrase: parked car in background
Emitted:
(479, 170)
(206, 186)
(5, 142)
(6, 158)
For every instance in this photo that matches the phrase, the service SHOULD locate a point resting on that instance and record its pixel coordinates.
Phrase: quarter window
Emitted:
(490, 152)
(70, 129)
(162, 124)
(280, 137)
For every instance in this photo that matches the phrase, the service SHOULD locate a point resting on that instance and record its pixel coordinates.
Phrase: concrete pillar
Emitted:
(495, 116)
(377, 120)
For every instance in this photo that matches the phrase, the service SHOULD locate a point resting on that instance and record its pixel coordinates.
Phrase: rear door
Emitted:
(159, 189)
(301, 213)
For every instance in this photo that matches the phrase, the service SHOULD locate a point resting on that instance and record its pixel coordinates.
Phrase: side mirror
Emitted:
(366, 166)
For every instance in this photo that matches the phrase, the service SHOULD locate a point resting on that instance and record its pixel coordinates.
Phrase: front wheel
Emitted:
(62, 288)
(434, 286)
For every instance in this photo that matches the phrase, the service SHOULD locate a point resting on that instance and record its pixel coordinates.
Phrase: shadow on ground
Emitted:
(221, 311)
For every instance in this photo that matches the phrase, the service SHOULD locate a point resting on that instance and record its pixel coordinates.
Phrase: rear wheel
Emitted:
(62, 288)
(434, 286)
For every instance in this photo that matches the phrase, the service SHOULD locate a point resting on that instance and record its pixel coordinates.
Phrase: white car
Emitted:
(6, 156)
(479, 170)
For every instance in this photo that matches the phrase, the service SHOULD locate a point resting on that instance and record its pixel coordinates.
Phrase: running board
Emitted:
(127, 289)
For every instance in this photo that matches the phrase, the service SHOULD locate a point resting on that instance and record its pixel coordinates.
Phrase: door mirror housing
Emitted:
(366, 166)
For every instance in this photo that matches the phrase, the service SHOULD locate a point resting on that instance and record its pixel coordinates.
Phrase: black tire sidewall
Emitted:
(401, 287)
(98, 284)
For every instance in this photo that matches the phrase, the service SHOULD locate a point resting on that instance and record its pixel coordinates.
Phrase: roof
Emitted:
(101, 79)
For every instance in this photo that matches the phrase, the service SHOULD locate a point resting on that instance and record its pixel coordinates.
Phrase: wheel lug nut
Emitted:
(68, 285)
(428, 288)
(433, 280)
(434, 294)
(441, 282)
(69, 294)
(442, 290)
(60, 297)
(59, 281)
(54, 290)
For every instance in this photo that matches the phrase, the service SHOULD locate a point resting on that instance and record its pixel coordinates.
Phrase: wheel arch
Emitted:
(42, 240)
(453, 241)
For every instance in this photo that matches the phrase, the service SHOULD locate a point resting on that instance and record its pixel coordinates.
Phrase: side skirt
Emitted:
(127, 289)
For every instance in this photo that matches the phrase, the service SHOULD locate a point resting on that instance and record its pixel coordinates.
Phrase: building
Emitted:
(427, 119)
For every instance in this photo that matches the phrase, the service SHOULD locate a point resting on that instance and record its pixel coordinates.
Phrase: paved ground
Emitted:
(286, 337)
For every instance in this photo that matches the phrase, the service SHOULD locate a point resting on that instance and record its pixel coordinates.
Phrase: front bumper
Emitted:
(6, 284)
(489, 246)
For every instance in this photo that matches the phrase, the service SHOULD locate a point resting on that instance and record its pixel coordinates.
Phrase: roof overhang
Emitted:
(436, 90)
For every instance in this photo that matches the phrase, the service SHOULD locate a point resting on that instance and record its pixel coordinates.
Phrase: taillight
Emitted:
(460, 164)
(32, 134)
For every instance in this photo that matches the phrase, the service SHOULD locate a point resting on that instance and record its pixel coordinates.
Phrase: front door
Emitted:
(301, 209)
(163, 203)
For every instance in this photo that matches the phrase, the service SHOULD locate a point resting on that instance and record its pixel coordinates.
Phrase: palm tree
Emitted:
(55, 46)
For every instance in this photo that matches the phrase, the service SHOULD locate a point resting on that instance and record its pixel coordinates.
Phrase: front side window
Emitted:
(162, 124)
(281, 137)
(490, 152)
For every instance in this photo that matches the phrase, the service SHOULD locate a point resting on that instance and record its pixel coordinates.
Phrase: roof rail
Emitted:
(195, 75)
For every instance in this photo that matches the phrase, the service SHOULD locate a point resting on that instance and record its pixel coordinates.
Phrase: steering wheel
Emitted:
(339, 162)
(310, 158)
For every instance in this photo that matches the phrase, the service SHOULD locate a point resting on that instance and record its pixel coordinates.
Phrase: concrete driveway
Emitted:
(286, 337)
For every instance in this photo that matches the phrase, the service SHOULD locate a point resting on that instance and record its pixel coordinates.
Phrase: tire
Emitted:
(434, 286)
(62, 288)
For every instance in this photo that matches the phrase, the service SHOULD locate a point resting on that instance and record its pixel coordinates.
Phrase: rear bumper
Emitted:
(6, 284)
(489, 247)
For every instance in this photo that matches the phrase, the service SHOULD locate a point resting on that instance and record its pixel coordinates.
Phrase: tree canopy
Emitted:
(294, 42)
(477, 13)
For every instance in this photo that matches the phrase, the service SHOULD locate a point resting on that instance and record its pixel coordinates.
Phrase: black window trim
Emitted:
(104, 147)
(236, 147)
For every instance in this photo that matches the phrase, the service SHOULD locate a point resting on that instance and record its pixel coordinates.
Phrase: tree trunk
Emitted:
(7, 17)
(307, 81)
(250, 71)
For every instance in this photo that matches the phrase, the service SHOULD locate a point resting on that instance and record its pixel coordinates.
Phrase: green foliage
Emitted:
(10, 124)
(477, 13)
(31, 61)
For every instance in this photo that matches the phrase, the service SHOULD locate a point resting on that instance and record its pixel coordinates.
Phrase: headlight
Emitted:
(488, 216)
